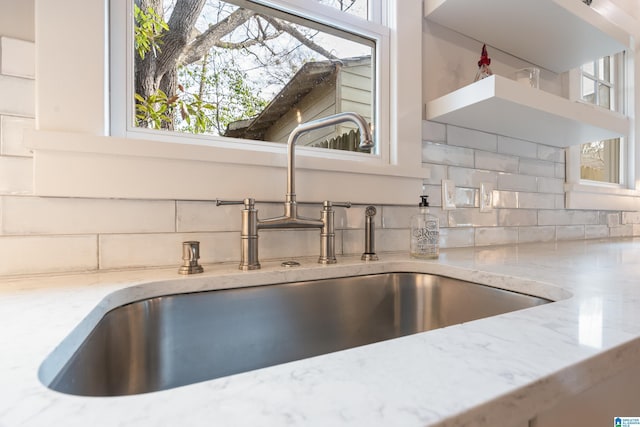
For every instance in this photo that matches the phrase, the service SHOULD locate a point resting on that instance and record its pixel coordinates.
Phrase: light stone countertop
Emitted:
(495, 371)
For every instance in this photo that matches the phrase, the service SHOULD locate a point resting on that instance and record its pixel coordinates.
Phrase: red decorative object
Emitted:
(483, 65)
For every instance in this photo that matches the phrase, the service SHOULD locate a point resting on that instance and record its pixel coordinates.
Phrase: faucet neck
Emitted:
(365, 137)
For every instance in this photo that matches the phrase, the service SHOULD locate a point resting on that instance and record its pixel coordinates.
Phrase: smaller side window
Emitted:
(601, 84)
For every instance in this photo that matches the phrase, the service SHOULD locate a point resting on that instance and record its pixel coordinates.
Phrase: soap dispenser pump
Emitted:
(425, 232)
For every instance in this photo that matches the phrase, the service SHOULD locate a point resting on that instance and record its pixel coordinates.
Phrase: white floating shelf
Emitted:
(500, 105)
(554, 34)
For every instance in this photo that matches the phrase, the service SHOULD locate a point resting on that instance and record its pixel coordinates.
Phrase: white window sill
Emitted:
(601, 197)
(82, 165)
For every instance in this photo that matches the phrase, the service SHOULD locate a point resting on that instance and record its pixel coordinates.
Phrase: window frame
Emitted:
(617, 86)
(618, 64)
(73, 116)
(587, 194)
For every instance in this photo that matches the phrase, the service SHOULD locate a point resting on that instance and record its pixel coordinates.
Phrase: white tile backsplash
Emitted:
(596, 231)
(467, 197)
(457, 237)
(467, 177)
(550, 185)
(435, 195)
(292, 243)
(47, 254)
(552, 154)
(50, 215)
(164, 249)
(446, 154)
(471, 217)
(537, 168)
(486, 236)
(65, 235)
(206, 216)
(517, 147)
(536, 234)
(387, 240)
(625, 230)
(613, 220)
(557, 217)
(436, 173)
(496, 162)
(398, 216)
(462, 137)
(570, 232)
(434, 132)
(392, 240)
(560, 201)
(517, 217)
(631, 217)
(353, 242)
(505, 199)
(536, 201)
(515, 182)
(354, 217)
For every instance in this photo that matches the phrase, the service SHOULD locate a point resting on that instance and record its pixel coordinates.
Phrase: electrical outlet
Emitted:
(486, 197)
(448, 194)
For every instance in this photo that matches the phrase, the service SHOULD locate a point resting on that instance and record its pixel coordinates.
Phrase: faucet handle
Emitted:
(229, 202)
(249, 203)
(328, 204)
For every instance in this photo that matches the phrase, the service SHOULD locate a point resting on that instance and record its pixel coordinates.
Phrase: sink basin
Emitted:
(170, 341)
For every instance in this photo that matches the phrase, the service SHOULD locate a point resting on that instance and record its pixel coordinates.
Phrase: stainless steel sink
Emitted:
(174, 340)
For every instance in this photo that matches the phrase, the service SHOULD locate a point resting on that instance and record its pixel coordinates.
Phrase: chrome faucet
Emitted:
(251, 224)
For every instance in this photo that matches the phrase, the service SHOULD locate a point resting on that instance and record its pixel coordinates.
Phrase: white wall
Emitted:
(16, 19)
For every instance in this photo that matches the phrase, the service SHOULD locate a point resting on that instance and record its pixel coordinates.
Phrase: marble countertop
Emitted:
(494, 371)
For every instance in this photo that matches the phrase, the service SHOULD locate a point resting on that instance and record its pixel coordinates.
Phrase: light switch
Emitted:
(448, 194)
(486, 197)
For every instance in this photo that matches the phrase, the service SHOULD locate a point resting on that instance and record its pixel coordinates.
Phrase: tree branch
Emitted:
(282, 26)
(214, 34)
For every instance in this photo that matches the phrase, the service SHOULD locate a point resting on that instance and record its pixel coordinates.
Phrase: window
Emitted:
(85, 149)
(251, 70)
(602, 174)
(601, 82)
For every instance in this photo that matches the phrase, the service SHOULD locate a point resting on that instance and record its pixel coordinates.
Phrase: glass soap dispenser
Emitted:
(425, 232)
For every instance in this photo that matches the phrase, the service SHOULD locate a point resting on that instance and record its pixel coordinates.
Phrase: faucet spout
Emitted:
(366, 141)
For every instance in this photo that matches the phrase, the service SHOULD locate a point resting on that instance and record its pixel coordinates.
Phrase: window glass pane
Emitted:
(604, 99)
(589, 68)
(604, 69)
(613, 106)
(360, 8)
(588, 90)
(601, 68)
(248, 72)
(600, 161)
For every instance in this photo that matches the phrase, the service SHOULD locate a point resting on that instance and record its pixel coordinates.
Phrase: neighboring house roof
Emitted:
(308, 77)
